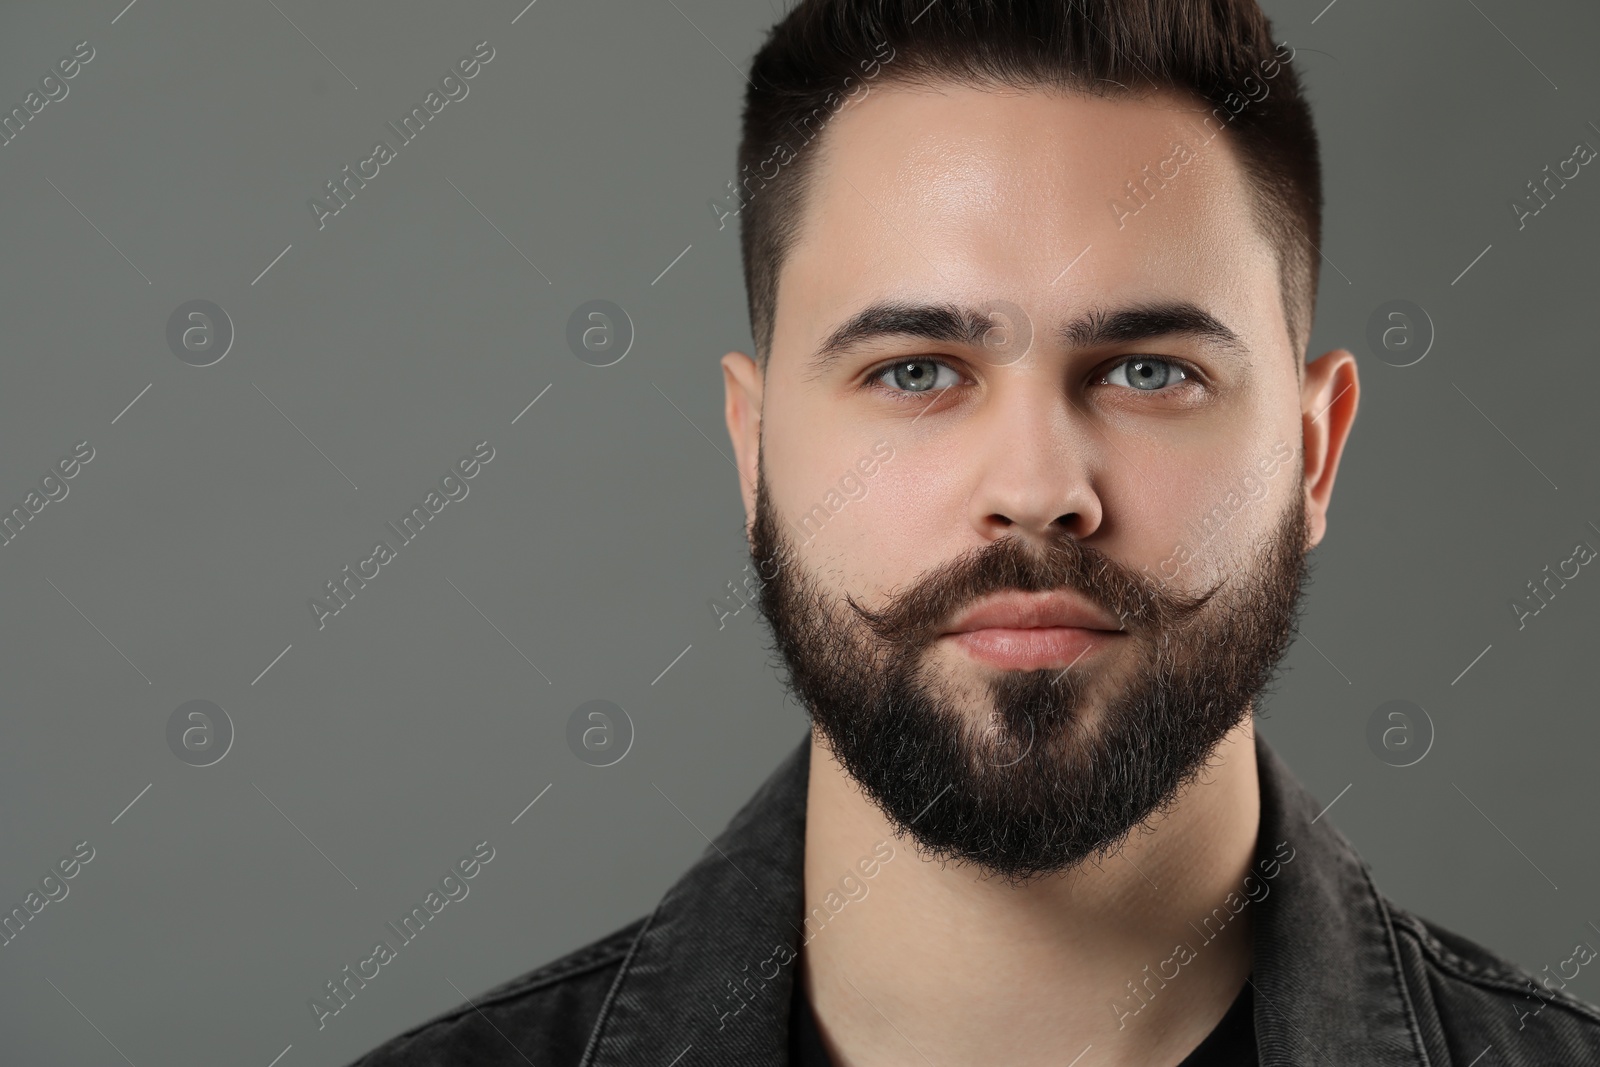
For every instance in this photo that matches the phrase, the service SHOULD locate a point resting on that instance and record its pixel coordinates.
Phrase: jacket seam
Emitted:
(1497, 980)
(604, 1014)
(1393, 946)
(601, 956)
(593, 960)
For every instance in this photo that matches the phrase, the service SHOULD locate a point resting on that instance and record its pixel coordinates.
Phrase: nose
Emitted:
(1036, 464)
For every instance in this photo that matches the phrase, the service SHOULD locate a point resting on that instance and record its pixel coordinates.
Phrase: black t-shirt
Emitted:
(1232, 1043)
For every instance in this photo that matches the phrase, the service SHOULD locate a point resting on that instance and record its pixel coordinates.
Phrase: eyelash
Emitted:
(1186, 371)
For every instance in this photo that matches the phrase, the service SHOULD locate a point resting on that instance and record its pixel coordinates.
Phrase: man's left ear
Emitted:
(1328, 398)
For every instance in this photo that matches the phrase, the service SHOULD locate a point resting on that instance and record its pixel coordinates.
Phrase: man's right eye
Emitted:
(915, 376)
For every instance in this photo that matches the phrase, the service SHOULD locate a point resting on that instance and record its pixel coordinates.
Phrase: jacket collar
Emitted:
(1329, 988)
(709, 977)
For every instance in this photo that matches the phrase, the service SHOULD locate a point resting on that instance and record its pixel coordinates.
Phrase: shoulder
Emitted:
(544, 1016)
(1481, 999)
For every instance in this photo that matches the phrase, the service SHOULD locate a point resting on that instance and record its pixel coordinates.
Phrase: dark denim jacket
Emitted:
(1341, 975)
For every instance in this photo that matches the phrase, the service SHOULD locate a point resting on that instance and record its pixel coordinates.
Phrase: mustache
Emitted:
(917, 616)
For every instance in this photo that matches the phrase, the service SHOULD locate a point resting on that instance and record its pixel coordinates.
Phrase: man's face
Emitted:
(1127, 437)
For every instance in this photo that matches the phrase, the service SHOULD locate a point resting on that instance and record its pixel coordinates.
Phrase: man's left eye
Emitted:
(1145, 373)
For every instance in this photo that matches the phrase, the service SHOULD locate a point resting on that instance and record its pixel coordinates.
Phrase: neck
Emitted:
(1139, 956)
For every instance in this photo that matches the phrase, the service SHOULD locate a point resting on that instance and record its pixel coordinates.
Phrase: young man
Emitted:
(1032, 461)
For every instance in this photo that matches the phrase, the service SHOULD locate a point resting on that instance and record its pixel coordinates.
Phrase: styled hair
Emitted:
(1217, 52)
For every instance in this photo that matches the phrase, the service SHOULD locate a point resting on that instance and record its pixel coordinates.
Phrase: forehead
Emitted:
(1053, 200)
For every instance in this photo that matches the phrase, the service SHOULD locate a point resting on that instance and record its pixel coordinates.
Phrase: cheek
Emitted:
(907, 522)
(1198, 520)
(816, 488)
(891, 534)
(802, 449)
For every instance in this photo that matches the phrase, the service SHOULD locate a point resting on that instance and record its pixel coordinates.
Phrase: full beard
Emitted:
(1044, 780)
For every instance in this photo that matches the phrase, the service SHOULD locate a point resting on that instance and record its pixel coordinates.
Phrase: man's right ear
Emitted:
(742, 382)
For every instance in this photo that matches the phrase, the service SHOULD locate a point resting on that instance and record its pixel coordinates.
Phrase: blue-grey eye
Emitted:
(1145, 374)
(919, 375)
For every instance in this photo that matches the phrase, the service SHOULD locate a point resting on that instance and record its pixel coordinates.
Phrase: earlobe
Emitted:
(1328, 400)
(743, 382)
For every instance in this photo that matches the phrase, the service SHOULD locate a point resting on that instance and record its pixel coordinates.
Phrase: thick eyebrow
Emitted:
(1097, 327)
(955, 324)
(940, 323)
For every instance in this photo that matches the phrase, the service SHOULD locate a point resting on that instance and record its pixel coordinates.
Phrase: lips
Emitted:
(1027, 611)
(1030, 631)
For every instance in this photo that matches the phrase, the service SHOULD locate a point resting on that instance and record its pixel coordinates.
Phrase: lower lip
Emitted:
(1031, 648)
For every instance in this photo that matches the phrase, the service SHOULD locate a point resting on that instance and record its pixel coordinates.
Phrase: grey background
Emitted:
(409, 328)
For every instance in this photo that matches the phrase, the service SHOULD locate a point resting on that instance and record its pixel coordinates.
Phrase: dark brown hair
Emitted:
(1219, 52)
